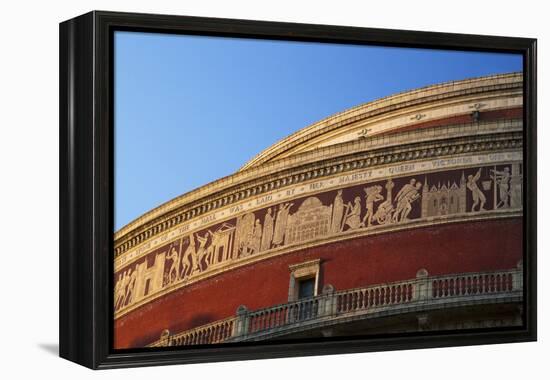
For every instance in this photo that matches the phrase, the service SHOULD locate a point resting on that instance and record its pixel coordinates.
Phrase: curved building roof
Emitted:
(341, 132)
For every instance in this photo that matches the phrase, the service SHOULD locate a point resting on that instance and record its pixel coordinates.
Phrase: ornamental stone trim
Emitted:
(506, 82)
(403, 153)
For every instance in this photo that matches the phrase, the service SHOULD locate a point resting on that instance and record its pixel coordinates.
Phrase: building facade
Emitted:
(399, 215)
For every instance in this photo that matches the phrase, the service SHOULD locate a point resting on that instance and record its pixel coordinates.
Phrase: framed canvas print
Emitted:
(237, 189)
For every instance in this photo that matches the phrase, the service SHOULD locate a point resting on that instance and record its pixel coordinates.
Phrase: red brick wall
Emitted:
(453, 248)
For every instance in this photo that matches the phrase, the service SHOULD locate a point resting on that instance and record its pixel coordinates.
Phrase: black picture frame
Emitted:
(86, 186)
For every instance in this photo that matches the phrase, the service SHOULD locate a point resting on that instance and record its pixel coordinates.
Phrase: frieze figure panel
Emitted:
(331, 213)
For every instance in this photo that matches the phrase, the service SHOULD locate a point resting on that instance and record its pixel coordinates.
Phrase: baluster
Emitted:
(216, 333)
(371, 298)
(208, 337)
(399, 293)
(346, 302)
(316, 303)
(262, 320)
(286, 315)
(258, 321)
(253, 323)
(223, 331)
(276, 316)
(227, 330)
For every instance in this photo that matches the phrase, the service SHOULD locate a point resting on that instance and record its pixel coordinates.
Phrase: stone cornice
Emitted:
(203, 199)
(400, 101)
(339, 159)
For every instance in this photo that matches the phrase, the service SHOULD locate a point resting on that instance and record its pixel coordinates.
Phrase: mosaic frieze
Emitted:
(389, 202)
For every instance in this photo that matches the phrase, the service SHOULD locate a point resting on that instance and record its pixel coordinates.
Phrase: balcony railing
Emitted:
(397, 297)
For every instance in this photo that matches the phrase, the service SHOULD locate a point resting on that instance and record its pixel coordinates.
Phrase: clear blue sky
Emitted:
(189, 110)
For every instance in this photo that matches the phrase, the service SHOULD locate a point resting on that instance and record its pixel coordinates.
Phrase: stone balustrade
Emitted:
(331, 306)
(215, 332)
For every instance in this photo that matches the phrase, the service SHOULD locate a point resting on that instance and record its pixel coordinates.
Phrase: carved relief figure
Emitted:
(244, 235)
(201, 252)
(406, 196)
(119, 291)
(280, 223)
(405, 189)
(189, 257)
(352, 219)
(372, 195)
(384, 212)
(502, 180)
(256, 241)
(131, 285)
(123, 289)
(267, 234)
(173, 272)
(516, 186)
(477, 194)
(337, 213)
